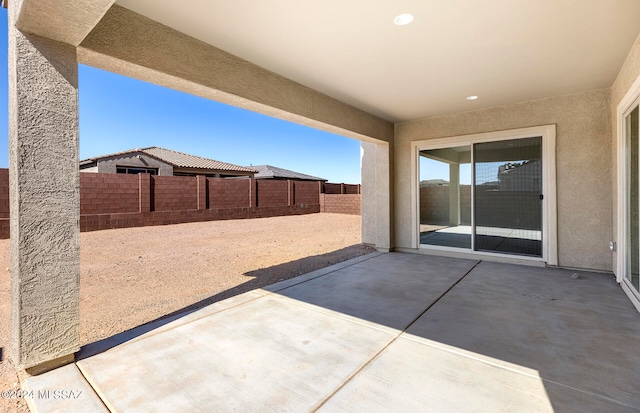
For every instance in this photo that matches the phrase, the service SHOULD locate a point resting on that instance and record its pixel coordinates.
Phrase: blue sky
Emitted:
(118, 113)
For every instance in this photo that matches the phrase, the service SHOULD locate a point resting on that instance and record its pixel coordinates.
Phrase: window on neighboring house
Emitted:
(136, 170)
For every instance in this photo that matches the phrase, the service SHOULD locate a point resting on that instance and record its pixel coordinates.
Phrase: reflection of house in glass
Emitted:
(523, 176)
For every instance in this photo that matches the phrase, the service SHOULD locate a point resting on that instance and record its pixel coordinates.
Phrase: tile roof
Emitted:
(268, 171)
(178, 159)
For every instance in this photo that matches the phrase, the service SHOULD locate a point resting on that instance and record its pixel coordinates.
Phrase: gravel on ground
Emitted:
(131, 276)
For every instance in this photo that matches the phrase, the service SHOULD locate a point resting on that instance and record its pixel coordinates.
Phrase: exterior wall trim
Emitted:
(629, 100)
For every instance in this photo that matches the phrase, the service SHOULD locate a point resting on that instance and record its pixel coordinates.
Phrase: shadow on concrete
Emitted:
(260, 278)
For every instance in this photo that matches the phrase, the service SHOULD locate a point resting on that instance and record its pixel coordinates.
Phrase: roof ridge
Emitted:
(187, 154)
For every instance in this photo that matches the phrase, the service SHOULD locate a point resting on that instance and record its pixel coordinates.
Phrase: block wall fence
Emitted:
(434, 207)
(340, 199)
(119, 201)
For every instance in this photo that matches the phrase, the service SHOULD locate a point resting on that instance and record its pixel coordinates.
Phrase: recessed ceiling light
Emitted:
(472, 97)
(403, 19)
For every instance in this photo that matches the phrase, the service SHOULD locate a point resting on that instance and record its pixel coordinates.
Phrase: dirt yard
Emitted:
(131, 276)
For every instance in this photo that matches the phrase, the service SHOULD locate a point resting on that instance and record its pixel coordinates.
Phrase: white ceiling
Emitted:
(505, 51)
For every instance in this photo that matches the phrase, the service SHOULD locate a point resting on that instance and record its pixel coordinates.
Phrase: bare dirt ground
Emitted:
(131, 276)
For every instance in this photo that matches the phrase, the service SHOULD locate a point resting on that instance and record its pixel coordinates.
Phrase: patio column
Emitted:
(45, 200)
(376, 195)
(454, 194)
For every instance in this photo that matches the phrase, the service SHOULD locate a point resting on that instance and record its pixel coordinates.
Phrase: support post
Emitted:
(45, 200)
(377, 190)
(454, 194)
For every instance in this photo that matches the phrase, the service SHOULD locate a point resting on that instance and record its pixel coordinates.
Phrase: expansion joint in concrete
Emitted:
(393, 340)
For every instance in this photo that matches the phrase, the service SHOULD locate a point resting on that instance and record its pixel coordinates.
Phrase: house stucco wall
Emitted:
(628, 74)
(109, 165)
(583, 166)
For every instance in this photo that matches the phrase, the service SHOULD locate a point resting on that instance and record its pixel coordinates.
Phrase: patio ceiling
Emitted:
(501, 50)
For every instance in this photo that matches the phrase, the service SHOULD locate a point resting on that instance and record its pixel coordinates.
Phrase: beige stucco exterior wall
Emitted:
(628, 74)
(109, 165)
(376, 196)
(44, 198)
(583, 151)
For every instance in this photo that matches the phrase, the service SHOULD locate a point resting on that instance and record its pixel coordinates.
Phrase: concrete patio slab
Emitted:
(159, 326)
(64, 390)
(554, 284)
(267, 355)
(391, 290)
(578, 332)
(412, 375)
(393, 332)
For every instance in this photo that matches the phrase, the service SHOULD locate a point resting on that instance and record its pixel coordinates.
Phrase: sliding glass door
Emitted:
(445, 197)
(508, 196)
(485, 196)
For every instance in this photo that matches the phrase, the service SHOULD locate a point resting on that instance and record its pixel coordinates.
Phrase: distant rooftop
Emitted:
(273, 172)
(177, 159)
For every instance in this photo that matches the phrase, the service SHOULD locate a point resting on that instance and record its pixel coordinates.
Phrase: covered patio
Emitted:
(383, 332)
(389, 332)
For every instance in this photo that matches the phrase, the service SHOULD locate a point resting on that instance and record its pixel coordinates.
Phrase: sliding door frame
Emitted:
(625, 107)
(549, 203)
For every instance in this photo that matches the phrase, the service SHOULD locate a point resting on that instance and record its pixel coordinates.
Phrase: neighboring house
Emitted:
(524, 176)
(272, 172)
(434, 182)
(161, 161)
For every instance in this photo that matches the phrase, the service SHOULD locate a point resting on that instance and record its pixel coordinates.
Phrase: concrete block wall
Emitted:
(351, 189)
(120, 201)
(434, 205)
(107, 193)
(174, 193)
(329, 188)
(333, 188)
(4, 193)
(341, 203)
(305, 192)
(272, 193)
(227, 193)
(4, 204)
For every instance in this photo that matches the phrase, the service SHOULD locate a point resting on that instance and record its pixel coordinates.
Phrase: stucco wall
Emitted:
(45, 199)
(583, 151)
(628, 74)
(109, 165)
